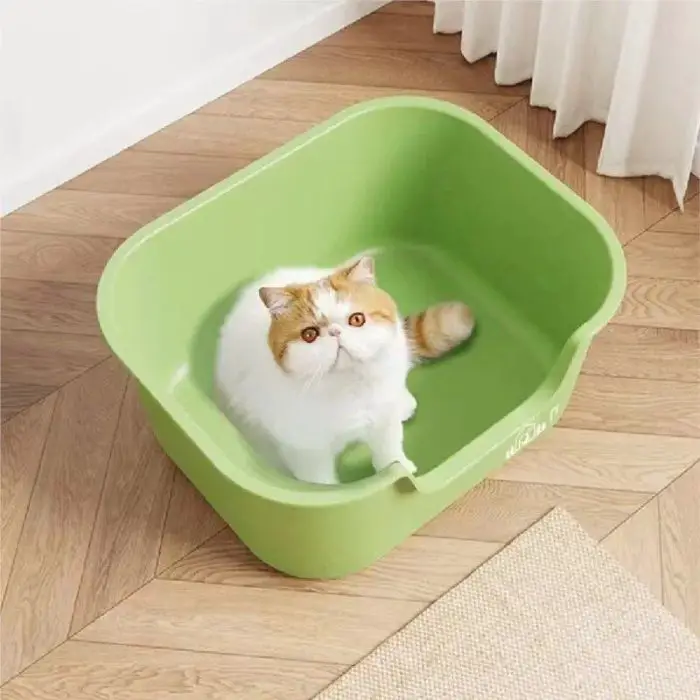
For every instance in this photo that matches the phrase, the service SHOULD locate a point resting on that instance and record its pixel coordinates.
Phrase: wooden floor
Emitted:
(119, 581)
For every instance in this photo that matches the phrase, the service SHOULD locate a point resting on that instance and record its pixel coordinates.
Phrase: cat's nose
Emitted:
(334, 330)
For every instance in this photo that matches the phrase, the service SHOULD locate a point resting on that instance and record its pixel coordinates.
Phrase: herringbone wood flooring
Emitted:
(117, 578)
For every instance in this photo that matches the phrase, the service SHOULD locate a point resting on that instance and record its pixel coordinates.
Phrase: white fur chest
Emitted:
(343, 407)
(322, 413)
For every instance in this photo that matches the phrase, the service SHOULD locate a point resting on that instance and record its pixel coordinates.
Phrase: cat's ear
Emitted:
(277, 299)
(360, 271)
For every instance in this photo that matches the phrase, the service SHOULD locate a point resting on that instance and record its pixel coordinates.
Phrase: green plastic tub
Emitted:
(456, 212)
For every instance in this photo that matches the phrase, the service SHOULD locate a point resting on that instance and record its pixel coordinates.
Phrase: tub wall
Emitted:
(340, 538)
(390, 175)
(499, 215)
(320, 205)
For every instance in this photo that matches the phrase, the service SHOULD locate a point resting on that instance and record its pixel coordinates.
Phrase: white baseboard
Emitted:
(317, 21)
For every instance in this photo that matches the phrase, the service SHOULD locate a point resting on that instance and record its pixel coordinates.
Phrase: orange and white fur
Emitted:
(312, 360)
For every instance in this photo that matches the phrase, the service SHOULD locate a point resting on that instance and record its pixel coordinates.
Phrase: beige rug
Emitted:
(551, 617)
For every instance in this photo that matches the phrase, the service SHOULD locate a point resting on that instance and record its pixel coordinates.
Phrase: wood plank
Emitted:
(51, 258)
(165, 174)
(315, 102)
(599, 459)
(401, 575)
(414, 70)
(409, 7)
(190, 522)
(531, 129)
(635, 544)
(564, 158)
(231, 137)
(620, 200)
(18, 397)
(58, 307)
(680, 547)
(87, 671)
(618, 404)
(660, 199)
(127, 533)
(52, 548)
(22, 446)
(645, 353)
(513, 123)
(48, 359)
(687, 221)
(631, 205)
(270, 623)
(77, 213)
(498, 511)
(664, 255)
(399, 32)
(660, 303)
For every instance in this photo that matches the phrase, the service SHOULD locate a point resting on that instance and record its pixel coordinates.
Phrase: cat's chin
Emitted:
(344, 362)
(352, 365)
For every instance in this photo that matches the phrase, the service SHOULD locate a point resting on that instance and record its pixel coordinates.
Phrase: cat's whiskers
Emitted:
(308, 384)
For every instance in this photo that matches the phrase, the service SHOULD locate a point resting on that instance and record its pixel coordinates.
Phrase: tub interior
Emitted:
(454, 216)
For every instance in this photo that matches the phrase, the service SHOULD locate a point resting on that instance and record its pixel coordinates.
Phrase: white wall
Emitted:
(82, 79)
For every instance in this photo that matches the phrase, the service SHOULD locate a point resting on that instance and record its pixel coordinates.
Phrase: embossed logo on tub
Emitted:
(528, 432)
(524, 437)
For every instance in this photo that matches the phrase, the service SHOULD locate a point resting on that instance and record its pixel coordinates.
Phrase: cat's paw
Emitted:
(403, 462)
(407, 465)
(408, 407)
(324, 479)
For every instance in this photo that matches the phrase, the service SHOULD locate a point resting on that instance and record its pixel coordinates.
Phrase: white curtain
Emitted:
(632, 64)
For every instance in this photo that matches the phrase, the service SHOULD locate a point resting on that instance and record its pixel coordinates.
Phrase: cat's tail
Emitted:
(438, 329)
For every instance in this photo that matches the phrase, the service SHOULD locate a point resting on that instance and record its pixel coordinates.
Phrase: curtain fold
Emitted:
(632, 64)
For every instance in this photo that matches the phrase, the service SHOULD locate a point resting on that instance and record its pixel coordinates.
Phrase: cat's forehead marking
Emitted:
(328, 303)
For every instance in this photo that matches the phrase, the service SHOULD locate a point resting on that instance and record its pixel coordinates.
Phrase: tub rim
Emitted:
(465, 458)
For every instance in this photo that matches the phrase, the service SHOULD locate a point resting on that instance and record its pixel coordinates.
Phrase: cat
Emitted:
(312, 360)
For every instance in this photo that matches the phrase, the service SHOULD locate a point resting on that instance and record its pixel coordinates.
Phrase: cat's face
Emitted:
(337, 323)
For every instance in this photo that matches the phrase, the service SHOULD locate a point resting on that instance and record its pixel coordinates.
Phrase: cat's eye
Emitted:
(308, 335)
(356, 320)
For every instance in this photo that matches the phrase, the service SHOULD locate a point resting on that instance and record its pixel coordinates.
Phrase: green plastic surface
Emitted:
(456, 211)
